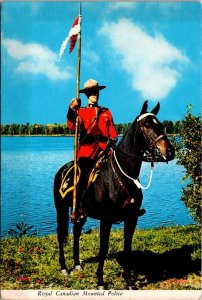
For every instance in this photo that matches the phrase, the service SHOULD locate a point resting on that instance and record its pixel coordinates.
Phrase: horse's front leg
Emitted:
(105, 228)
(77, 229)
(129, 227)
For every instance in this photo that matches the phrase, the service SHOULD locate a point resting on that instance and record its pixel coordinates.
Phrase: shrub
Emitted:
(21, 230)
(189, 156)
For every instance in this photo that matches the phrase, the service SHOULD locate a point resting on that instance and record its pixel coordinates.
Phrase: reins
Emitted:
(146, 158)
(135, 181)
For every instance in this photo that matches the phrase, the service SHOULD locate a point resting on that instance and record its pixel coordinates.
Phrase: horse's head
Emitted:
(155, 143)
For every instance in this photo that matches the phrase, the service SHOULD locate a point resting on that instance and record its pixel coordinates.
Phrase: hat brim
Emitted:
(99, 87)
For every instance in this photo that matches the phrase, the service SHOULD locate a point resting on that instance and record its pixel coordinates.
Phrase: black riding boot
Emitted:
(86, 165)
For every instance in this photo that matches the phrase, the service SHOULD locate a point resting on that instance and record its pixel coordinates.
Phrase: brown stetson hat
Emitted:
(92, 84)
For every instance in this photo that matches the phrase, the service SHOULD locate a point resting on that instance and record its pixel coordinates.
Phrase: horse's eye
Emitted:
(154, 120)
(147, 124)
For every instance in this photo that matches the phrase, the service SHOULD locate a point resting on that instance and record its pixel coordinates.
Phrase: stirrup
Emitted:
(81, 216)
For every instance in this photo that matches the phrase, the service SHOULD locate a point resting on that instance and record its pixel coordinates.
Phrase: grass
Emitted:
(163, 258)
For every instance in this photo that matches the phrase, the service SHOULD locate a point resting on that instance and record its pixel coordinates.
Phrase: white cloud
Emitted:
(90, 57)
(35, 8)
(34, 58)
(152, 62)
(121, 5)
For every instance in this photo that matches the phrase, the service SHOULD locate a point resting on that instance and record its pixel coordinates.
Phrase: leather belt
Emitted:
(89, 139)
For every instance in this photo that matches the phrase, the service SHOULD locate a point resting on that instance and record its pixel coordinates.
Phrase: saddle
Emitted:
(99, 163)
(67, 184)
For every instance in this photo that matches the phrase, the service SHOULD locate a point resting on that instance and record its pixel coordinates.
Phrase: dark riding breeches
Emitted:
(86, 165)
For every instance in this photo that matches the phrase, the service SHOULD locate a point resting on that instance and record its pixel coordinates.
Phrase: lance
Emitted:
(76, 124)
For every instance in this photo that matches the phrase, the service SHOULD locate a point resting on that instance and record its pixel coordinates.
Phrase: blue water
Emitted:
(28, 166)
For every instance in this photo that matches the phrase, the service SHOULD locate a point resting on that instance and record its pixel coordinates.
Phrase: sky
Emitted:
(139, 50)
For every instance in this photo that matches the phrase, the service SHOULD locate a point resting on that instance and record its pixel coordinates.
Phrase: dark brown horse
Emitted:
(116, 194)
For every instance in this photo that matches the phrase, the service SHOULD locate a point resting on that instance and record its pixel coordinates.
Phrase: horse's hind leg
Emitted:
(129, 228)
(62, 231)
(105, 229)
(77, 229)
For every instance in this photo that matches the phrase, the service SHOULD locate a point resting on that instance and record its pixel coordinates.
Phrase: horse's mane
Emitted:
(126, 132)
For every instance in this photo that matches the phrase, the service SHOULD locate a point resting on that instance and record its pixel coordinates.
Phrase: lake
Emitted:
(28, 167)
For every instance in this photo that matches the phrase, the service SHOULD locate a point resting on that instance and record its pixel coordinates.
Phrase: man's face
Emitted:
(93, 96)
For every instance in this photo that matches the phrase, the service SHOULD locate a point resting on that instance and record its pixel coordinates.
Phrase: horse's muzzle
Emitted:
(166, 149)
(170, 153)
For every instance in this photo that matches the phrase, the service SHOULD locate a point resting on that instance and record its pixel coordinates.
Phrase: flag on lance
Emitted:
(72, 36)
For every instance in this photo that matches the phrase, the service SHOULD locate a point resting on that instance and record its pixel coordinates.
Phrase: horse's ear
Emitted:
(144, 108)
(155, 110)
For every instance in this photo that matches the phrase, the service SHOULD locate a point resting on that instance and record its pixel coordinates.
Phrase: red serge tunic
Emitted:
(96, 128)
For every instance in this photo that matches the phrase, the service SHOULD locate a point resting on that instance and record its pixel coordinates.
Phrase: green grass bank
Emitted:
(163, 258)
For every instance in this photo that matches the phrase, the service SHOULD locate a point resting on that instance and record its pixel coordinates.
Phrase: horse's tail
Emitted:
(62, 209)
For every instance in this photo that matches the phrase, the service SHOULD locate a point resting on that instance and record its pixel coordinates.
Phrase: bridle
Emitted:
(152, 153)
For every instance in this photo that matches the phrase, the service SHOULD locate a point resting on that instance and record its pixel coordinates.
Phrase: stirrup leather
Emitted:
(96, 169)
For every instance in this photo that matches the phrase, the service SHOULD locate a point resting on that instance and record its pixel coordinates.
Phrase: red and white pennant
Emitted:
(72, 36)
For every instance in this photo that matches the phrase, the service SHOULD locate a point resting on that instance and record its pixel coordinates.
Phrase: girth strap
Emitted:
(117, 177)
(129, 198)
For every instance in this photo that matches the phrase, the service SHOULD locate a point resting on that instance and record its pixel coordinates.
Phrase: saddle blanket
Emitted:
(67, 183)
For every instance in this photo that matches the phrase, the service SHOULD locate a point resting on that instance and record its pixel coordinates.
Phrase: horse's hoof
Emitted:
(131, 288)
(78, 268)
(101, 287)
(64, 272)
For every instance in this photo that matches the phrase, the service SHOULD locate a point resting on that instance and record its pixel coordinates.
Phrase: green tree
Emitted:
(189, 156)
(177, 126)
(55, 128)
(49, 129)
(4, 129)
(10, 130)
(43, 129)
(168, 126)
(65, 129)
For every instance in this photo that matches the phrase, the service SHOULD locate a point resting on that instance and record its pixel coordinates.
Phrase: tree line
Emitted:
(62, 129)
